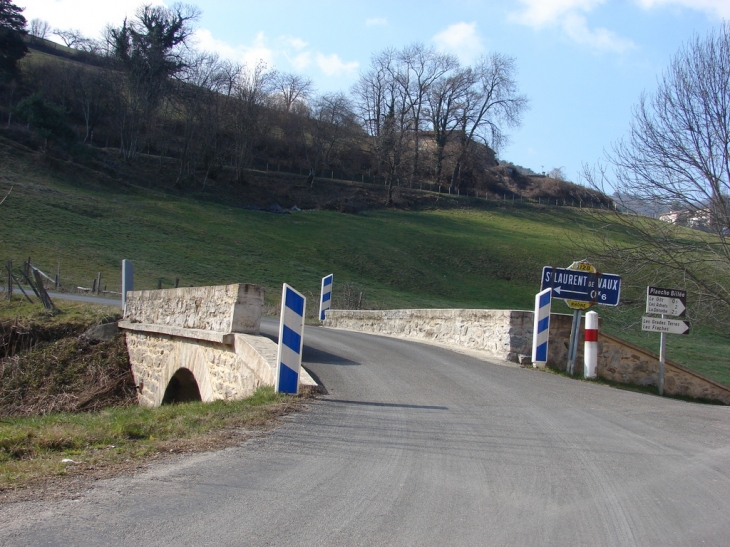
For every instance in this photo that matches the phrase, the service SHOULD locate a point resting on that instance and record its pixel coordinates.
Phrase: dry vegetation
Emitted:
(68, 411)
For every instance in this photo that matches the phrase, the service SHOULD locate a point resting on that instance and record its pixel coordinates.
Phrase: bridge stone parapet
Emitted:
(507, 334)
(222, 308)
(198, 343)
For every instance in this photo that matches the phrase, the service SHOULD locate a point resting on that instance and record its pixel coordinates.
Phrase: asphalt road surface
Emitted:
(417, 445)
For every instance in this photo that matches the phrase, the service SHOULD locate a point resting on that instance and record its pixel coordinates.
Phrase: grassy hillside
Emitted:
(484, 255)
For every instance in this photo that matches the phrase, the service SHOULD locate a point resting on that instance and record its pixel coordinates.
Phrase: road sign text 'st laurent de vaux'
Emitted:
(582, 286)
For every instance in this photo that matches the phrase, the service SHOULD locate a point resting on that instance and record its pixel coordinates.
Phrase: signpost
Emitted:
(291, 341)
(325, 299)
(672, 326)
(665, 302)
(581, 286)
(541, 329)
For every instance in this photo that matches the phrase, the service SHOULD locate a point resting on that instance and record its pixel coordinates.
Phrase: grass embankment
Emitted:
(64, 396)
(490, 256)
(33, 448)
(484, 255)
(49, 365)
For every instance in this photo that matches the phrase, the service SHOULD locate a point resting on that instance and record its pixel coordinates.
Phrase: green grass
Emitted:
(33, 447)
(702, 350)
(486, 256)
(437, 258)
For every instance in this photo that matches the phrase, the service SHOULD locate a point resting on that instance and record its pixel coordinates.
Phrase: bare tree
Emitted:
(385, 114)
(445, 106)
(419, 69)
(39, 28)
(74, 39)
(492, 104)
(326, 130)
(290, 88)
(557, 173)
(677, 154)
(248, 89)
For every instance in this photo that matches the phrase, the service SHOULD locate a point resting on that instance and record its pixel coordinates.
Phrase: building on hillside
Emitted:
(699, 219)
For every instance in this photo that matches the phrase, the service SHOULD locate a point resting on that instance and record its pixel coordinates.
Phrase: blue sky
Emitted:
(582, 63)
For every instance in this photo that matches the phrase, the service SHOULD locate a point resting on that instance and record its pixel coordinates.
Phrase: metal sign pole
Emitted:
(662, 358)
(573, 346)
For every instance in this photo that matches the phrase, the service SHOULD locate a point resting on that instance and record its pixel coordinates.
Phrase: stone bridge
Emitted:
(199, 343)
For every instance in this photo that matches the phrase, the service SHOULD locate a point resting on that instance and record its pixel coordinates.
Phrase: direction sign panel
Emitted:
(582, 286)
(666, 301)
(672, 326)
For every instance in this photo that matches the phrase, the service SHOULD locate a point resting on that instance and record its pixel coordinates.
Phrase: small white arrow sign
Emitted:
(672, 326)
(558, 290)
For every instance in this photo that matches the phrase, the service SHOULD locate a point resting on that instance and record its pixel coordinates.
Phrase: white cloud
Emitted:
(293, 42)
(538, 13)
(462, 40)
(295, 52)
(576, 27)
(286, 50)
(332, 65)
(376, 21)
(569, 15)
(84, 15)
(717, 8)
(249, 54)
(301, 61)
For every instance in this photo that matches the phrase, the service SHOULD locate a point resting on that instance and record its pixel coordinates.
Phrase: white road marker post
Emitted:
(325, 299)
(590, 352)
(291, 341)
(541, 329)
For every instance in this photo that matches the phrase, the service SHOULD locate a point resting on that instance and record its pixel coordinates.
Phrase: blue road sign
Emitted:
(597, 288)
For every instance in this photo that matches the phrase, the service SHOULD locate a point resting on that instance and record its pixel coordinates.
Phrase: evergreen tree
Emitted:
(12, 45)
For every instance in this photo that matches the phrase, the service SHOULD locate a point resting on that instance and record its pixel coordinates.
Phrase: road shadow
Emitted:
(317, 356)
(314, 356)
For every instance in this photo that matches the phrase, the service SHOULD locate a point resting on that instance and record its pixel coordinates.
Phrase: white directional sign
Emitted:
(666, 301)
(672, 326)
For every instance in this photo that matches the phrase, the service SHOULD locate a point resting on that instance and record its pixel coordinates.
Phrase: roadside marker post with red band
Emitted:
(590, 353)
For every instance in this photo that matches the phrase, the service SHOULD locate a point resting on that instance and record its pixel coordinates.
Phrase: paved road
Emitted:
(76, 297)
(416, 445)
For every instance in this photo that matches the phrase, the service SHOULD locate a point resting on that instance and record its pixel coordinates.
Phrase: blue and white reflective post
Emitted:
(291, 341)
(325, 299)
(541, 329)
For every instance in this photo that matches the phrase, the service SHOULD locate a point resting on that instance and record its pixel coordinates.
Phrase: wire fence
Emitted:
(430, 187)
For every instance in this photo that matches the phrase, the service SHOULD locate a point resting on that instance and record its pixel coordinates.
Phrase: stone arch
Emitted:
(182, 388)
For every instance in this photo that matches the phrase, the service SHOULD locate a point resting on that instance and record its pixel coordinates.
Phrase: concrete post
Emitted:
(590, 353)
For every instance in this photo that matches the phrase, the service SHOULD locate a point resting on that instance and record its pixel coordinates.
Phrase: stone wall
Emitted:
(221, 371)
(624, 362)
(212, 332)
(507, 334)
(223, 308)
